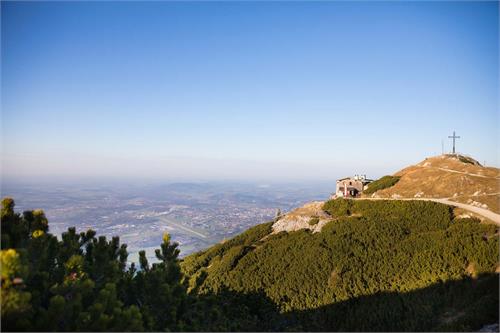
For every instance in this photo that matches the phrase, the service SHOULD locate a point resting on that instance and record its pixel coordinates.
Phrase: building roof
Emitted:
(341, 179)
(359, 180)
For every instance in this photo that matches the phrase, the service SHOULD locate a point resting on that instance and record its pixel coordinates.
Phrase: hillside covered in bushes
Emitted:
(377, 265)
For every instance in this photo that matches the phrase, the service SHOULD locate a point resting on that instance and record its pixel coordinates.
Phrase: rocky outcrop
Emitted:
(310, 216)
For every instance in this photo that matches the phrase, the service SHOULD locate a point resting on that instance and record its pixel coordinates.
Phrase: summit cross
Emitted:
(454, 137)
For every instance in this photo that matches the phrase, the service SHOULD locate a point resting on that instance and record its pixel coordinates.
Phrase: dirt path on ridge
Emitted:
(456, 171)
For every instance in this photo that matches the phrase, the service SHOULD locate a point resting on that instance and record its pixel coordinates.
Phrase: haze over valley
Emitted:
(197, 215)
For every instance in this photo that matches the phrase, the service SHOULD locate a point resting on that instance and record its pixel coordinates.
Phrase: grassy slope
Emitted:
(448, 177)
(394, 252)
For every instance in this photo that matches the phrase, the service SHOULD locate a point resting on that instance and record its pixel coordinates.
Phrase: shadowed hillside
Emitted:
(364, 270)
(456, 305)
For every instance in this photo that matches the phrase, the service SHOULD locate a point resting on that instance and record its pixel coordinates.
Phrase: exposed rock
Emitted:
(302, 218)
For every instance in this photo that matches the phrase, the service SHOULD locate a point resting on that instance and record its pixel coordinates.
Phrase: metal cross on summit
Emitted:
(454, 137)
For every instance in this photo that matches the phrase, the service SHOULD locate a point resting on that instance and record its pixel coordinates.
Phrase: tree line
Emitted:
(83, 283)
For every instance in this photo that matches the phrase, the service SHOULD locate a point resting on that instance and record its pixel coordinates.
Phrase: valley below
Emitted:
(197, 215)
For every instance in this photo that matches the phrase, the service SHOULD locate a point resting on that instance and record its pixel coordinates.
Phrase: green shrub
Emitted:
(338, 207)
(81, 282)
(314, 220)
(201, 259)
(382, 183)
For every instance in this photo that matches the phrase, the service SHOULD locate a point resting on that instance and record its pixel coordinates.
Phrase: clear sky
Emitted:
(244, 90)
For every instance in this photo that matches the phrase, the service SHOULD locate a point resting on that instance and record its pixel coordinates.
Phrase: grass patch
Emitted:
(314, 220)
(382, 183)
(467, 160)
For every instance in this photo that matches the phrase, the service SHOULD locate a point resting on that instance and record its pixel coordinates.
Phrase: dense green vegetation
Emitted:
(380, 184)
(314, 220)
(248, 238)
(382, 265)
(83, 283)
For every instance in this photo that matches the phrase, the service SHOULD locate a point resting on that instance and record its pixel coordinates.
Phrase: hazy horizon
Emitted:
(122, 171)
(220, 91)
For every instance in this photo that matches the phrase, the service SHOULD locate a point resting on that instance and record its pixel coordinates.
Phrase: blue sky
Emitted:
(244, 90)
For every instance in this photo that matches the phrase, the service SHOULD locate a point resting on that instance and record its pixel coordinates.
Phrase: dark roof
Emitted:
(359, 180)
(343, 179)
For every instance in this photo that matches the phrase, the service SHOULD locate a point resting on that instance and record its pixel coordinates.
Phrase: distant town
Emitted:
(196, 215)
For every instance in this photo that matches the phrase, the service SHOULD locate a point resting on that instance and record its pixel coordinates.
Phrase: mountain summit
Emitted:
(458, 178)
(451, 179)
